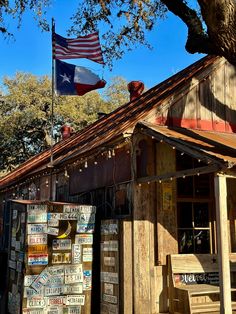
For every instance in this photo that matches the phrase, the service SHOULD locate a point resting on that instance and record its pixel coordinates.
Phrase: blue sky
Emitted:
(31, 50)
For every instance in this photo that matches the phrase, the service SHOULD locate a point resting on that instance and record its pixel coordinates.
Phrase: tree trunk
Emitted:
(220, 18)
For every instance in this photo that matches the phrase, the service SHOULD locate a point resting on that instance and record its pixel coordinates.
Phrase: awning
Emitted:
(217, 150)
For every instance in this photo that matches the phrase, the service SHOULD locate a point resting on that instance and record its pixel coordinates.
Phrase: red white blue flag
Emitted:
(75, 80)
(81, 47)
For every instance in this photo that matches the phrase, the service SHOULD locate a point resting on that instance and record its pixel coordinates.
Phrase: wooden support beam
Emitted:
(223, 243)
(180, 174)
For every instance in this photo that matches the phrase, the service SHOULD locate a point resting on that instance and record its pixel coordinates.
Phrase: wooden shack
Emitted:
(160, 171)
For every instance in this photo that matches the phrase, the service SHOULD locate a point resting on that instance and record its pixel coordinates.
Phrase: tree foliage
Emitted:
(25, 115)
(211, 24)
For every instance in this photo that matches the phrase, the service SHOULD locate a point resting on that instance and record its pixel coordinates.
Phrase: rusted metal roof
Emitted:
(111, 126)
(212, 146)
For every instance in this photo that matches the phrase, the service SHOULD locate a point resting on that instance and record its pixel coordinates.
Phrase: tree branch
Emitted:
(198, 40)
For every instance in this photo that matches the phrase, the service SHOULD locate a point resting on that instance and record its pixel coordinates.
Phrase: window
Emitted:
(193, 208)
(193, 227)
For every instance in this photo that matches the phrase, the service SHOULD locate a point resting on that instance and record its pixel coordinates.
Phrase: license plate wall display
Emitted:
(16, 258)
(109, 253)
(50, 259)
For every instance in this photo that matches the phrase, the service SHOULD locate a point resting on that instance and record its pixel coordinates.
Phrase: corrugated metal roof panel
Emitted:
(215, 145)
(112, 125)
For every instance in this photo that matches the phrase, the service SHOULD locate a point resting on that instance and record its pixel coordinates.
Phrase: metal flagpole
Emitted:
(53, 88)
(52, 108)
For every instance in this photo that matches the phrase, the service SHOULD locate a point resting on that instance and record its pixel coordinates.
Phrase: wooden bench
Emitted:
(194, 283)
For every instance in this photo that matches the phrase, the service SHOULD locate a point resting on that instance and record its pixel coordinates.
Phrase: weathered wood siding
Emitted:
(207, 103)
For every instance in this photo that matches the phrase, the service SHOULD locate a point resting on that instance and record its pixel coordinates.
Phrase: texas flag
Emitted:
(75, 80)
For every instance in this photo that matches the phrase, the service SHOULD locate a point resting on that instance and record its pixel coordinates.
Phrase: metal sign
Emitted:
(75, 299)
(86, 209)
(37, 259)
(109, 261)
(33, 311)
(86, 218)
(87, 254)
(35, 216)
(87, 283)
(28, 279)
(109, 246)
(61, 258)
(109, 277)
(56, 301)
(84, 238)
(75, 288)
(85, 228)
(37, 239)
(74, 309)
(40, 248)
(36, 228)
(76, 253)
(36, 302)
(53, 231)
(56, 280)
(110, 298)
(41, 280)
(53, 290)
(61, 244)
(56, 270)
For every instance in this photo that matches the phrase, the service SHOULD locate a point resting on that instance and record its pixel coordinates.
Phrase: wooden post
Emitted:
(223, 244)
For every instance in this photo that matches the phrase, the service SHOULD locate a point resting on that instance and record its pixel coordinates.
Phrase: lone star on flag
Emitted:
(65, 78)
(75, 80)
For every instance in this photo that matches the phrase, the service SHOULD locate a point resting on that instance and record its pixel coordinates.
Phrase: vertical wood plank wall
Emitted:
(154, 233)
(207, 103)
(166, 218)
